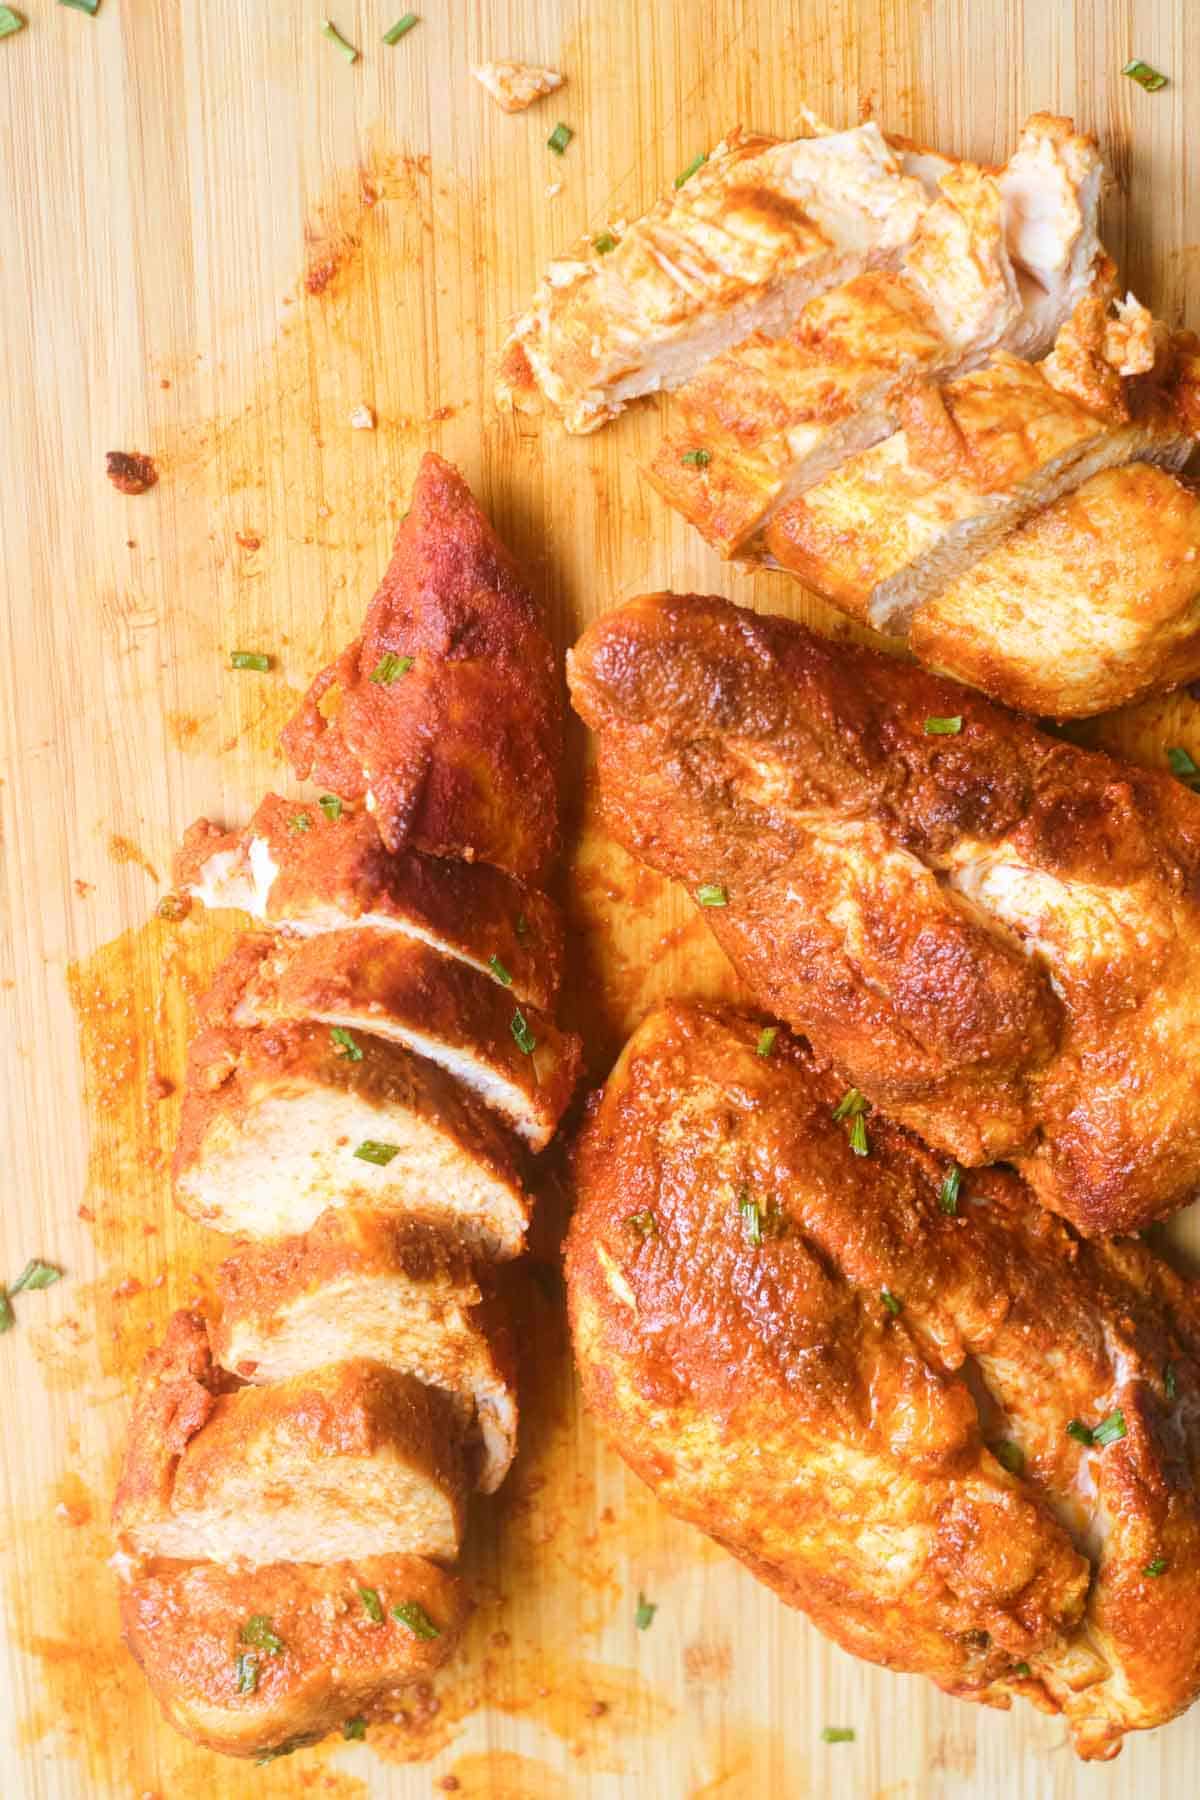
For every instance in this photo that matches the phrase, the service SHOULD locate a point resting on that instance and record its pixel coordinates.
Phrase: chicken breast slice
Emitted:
(198, 1632)
(971, 461)
(390, 1290)
(353, 1459)
(872, 1386)
(514, 86)
(993, 933)
(514, 1059)
(274, 1118)
(296, 867)
(1093, 604)
(739, 246)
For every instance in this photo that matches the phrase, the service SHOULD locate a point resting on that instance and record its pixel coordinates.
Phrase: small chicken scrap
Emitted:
(961, 1440)
(515, 86)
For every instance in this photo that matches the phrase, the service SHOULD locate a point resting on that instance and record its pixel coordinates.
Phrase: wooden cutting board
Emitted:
(217, 238)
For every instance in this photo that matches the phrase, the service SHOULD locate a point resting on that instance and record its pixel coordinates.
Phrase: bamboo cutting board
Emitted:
(217, 238)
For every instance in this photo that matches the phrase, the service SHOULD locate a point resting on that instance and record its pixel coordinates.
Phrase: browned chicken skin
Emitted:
(767, 1323)
(450, 713)
(995, 934)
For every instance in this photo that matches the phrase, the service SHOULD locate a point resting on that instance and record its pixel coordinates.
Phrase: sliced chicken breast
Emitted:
(353, 1459)
(257, 1662)
(359, 1285)
(284, 1121)
(309, 868)
(1092, 604)
(512, 1058)
(738, 246)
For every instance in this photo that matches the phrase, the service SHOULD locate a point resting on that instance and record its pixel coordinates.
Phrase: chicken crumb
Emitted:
(129, 471)
(514, 86)
(362, 418)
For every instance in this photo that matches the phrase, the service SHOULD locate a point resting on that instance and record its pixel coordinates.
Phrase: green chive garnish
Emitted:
(345, 1043)
(499, 971)
(10, 21)
(400, 29)
(643, 1618)
(766, 1040)
(837, 1734)
(1110, 1430)
(521, 927)
(354, 1728)
(249, 659)
(852, 1102)
(390, 667)
(696, 459)
(1022, 1668)
(245, 1671)
(604, 243)
(859, 1141)
(948, 1193)
(8, 1317)
(372, 1605)
(259, 1631)
(35, 1275)
(87, 6)
(643, 1223)
(370, 1151)
(1170, 1383)
(412, 1614)
(559, 138)
(944, 727)
(331, 806)
(1144, 75)
(519, 1026)
(1183, 767)
(270, 1756)
(697, 163)
(335, 37)
(299, 823)
(712, 895)
(1156, 1566)
(751, 1219)
(1080, 1432)
(890, 1301)
(1010, 1456)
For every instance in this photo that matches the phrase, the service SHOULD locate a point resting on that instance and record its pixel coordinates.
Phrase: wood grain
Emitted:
(217, 238)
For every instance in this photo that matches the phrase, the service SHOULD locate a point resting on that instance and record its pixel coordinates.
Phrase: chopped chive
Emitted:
(1170, 1382)
(1110, 1430)
(1080, 1432)
(499, 971)
(852, 1102)
(8, 1317)
(245, 1671)
(1022, 1668)
(259, 1631)
(389, 668)
(519, 1026)
(559, 138)
(643, 1618)
(696, 459)
(354, 1728)
(697, 163)
(643, 1223)
(412, 1614)
(837, 1734)
(87, 6)
(331, 806)
(1010, 1456)
(890, 1301)
(10, 21)
(604, 243)
(859, 1141)
(944, 727)
(343, 1041)
(400, 29)
(766, 1040)
(948, 1193)
(372, 1605)
(521, 926)
(712, 895)
(35, 1275)
(270, 1756)
(249, 659)
(751, 1218)
(382, 1154)
(1144, 75)
(335, 37)
(1156, 1566)
(299, 823)
(1183, 767)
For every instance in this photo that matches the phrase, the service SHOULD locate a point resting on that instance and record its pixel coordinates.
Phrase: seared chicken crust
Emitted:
(184, 1624)
(296, 868)
(993, 933)
(865, 1395)
(449, 710)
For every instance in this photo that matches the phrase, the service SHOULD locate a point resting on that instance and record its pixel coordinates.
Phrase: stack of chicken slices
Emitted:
(372, 1067)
